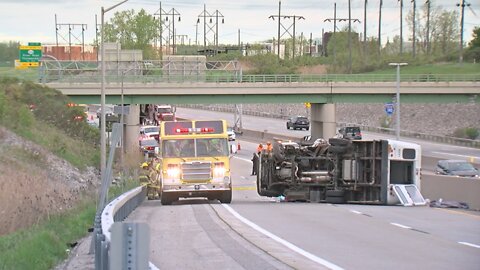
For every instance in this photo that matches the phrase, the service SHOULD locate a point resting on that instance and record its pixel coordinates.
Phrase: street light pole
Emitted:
(397, 126)
(103, 145)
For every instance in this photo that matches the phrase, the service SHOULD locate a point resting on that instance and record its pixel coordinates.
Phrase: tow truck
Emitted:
(385, 172)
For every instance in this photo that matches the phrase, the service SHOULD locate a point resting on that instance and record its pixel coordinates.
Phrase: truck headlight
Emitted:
(219, 170)
(173, 171)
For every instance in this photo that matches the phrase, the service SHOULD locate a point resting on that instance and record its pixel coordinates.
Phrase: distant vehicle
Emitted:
(108, 111)
(231, 134)
(298, 122)
(164, 113)
(350, 132)
(456, 168)
(148, 147)
(151, 131)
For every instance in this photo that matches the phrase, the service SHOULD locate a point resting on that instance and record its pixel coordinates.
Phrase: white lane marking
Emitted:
(244, 159)
(469, 244)
(456, 155)
(282, 241)
(400, 225)
(356, 212)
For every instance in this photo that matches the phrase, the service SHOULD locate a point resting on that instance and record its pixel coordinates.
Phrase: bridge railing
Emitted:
(92, 76)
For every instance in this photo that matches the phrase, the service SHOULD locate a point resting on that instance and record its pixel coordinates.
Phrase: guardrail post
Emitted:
(130, 246)
(104, 255)
(99, 239)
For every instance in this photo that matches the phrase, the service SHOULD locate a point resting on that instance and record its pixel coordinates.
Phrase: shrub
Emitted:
(467, 133)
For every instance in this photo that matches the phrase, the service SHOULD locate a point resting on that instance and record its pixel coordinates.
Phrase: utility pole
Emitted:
(161, 26)
(286, 30)
(428, 27)
(349, 37)
(401, 26)
(196, 34)
(213, 29)
(462, 4)
(77, 37)
(216, 28)
(173, 12)
(239, 48)
(279, 14)
(414, 25)
(349, 19)
(365, 29)
(310, 47)
(380, 28)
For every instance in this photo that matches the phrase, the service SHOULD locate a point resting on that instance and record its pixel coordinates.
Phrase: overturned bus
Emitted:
(383, 172)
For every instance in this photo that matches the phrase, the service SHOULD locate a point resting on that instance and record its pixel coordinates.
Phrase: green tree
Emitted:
(133, 31)
(473, 50)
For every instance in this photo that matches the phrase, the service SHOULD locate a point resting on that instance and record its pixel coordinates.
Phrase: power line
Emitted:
(286, 30)
(77, 36)
(211, 28)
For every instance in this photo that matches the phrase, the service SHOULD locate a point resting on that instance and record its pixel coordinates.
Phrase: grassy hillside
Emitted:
(45, 202)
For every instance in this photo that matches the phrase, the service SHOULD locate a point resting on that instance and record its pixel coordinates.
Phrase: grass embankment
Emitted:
(46, 244)
(440, 68)
(41, 115)
(30, 74)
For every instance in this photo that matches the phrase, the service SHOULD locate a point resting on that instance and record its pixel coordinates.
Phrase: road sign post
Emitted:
(389, 108)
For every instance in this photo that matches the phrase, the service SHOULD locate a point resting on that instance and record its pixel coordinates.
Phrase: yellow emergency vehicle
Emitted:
(194, 161)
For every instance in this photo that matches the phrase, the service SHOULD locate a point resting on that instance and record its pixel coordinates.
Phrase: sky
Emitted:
(34, 20)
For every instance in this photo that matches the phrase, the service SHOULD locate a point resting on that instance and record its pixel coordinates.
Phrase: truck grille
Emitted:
(196, 170)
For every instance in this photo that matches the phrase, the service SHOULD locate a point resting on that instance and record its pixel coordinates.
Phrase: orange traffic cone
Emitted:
(238, 146)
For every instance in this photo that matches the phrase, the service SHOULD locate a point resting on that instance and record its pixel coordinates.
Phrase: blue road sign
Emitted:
(389, 108)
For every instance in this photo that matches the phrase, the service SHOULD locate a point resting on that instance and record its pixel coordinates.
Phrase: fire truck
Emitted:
(194, 161)
(164, 113)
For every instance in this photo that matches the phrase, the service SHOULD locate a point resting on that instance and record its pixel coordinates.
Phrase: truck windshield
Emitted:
(195, 148)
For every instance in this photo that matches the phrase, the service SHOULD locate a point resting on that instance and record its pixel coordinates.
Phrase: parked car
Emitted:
(456, 168)
(151, 131)
(231, 134)
(147, 147)
(350, 132)
(298, 122)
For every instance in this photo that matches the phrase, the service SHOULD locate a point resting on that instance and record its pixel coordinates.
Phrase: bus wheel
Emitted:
(226, 197)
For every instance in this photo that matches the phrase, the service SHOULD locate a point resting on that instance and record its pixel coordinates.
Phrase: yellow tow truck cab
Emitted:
(194, 159)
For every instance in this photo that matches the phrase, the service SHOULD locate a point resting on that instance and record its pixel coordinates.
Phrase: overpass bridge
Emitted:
(184, 82)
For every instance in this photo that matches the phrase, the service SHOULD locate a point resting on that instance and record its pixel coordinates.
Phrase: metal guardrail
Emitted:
(116, 211)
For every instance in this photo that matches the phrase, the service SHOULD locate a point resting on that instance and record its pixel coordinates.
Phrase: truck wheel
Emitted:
(226, 197)
(335, 196)
(339, 141)
(335, 200)
(167, 199)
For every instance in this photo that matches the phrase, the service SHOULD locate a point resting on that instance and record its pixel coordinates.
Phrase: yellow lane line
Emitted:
(245, 188)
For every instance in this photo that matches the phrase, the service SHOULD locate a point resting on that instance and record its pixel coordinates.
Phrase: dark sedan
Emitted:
(456, 168)
(298, 122)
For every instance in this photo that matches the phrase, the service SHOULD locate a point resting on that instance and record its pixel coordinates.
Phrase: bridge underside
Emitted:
(279, 98)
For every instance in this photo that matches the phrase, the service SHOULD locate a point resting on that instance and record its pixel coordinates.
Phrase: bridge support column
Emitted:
(323, 120)
(132, 129)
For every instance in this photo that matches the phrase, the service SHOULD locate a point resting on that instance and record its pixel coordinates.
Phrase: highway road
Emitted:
(256, 232)
(278, 126)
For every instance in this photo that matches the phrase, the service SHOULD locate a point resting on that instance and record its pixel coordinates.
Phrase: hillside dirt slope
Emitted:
(34, 183)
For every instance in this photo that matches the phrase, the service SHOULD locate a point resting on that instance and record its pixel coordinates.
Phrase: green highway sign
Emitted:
(30, 53)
